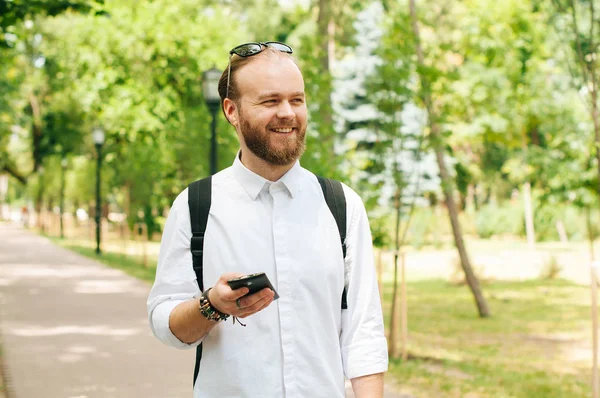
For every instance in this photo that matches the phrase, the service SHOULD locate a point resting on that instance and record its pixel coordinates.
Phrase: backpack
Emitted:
(199, 201)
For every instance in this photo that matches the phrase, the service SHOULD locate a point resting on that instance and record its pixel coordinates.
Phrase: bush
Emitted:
(431, 227)
(509, 219)
(494, 220)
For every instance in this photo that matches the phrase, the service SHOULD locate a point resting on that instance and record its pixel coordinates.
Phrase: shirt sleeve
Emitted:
(175, 280)
(362, 339)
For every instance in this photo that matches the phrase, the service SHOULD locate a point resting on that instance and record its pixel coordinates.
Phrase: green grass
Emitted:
(131, 265)
(535, 344)
(528, 348)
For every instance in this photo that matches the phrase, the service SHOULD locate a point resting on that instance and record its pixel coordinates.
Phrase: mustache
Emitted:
(283, 126)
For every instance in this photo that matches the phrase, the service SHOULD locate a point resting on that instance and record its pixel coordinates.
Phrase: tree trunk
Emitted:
(590, 231)
(36, 128)
(562, 233)
(39, 203)
(394, 319)
(596, 133)
(476, 197)
(404, 311)
(470, 199)
(529, 226)
(534, 135)
(472, 280)
(326, 28)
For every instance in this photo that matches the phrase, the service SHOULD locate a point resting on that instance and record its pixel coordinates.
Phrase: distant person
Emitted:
(24, 217)
(269, 214)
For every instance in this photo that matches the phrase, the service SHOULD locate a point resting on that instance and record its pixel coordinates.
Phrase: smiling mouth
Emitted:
(287, 130)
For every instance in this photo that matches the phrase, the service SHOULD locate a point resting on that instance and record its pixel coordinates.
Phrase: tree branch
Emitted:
(592, 66)
(13, 172)
(581, 56)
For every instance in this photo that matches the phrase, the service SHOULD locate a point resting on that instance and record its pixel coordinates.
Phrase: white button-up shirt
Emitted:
(303, 344)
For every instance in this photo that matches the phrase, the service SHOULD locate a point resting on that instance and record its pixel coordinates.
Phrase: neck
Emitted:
(264, 169)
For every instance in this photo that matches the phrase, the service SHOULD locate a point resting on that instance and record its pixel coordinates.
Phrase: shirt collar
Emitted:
(253, 183)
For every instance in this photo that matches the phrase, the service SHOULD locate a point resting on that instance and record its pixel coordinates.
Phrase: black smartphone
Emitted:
(254, 282)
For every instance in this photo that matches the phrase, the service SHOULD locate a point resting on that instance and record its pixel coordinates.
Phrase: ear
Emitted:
(231, 111)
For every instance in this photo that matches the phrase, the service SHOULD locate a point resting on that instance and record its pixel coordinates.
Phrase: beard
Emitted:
(274, 148)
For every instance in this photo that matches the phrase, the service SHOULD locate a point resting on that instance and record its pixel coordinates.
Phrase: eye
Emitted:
(298, 100)
(269, 102)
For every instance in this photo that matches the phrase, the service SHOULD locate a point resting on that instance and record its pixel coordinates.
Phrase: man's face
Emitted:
(271, 111)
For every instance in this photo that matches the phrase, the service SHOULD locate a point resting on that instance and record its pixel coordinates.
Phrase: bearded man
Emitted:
(269, 215)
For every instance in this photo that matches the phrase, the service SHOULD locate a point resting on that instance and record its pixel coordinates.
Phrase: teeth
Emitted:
(289, 130)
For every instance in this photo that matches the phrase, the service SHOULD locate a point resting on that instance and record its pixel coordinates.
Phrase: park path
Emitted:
(71, 327)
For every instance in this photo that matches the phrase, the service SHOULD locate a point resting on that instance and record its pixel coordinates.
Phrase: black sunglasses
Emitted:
(250, 49)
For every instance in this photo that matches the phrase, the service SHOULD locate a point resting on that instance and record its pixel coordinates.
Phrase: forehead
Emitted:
(269, 73)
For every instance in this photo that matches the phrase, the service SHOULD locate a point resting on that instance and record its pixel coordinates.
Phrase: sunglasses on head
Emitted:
(250, 49)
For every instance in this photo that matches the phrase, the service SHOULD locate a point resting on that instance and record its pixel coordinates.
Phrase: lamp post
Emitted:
(210, 89)
(40, 201)
(3, 191)
(98, 137)
(63, 167)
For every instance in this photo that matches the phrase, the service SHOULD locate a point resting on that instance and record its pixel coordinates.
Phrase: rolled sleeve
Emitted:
(175, 280)
(365, 359)
(160, 325)
(362, 339)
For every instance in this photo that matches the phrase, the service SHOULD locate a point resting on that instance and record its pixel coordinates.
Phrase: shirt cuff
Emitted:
(160, 325)
(365, 359)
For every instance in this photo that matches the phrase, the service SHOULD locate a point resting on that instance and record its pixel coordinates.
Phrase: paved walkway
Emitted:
(73, 328)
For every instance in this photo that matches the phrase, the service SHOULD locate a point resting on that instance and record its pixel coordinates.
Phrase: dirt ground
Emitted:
(497, 260)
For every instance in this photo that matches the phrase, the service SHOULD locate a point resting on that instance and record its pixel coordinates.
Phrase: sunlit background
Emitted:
(469, 128)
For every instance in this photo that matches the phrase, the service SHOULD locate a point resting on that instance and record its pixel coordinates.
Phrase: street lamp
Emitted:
(3, 191)
(98, 137)
(41, 222)
(210, 89)
(63, 166)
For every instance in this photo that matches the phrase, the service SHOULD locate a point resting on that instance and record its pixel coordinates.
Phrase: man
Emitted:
(269, 215)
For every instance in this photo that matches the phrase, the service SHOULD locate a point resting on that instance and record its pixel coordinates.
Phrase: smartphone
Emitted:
(254, 282)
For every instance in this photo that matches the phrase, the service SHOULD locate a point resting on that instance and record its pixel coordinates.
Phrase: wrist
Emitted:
(210, 293)
(208, 310)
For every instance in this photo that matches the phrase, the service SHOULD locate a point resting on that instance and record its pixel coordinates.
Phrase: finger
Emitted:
(223, 298)
(254, 308)
(268, 303)
(232, 295)
(265, 305)
(255, 297)
(230, 275)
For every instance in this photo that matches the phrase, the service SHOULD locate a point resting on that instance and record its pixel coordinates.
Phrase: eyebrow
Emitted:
(277, 94)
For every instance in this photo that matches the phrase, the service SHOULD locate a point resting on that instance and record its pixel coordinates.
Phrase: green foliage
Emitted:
(15, 11)
(380, 233)
(499, 220)
(504, 94)
(508, 220)
(129, 264)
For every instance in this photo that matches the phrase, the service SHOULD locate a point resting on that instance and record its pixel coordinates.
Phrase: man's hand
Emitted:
(188, 324)
(226, 300)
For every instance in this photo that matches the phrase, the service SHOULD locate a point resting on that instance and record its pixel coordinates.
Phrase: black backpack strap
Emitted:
(336, 201)
(199, 199)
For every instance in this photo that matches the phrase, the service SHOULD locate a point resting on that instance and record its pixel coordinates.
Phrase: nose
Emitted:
(285, 110)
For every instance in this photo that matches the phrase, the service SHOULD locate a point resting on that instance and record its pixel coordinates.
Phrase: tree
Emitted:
(427, 77)
(577, 24)
(12, 14)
